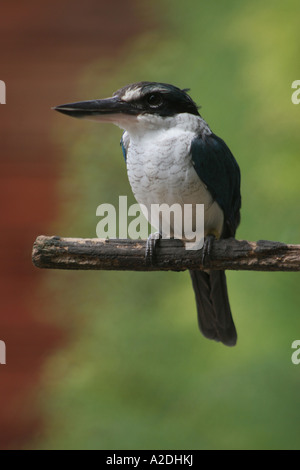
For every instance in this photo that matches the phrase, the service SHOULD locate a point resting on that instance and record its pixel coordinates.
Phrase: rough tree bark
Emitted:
(95, 254)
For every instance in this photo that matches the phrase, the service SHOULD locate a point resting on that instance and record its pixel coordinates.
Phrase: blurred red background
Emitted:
(44, 46)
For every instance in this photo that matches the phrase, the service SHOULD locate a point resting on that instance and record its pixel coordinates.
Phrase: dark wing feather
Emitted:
(219, 171)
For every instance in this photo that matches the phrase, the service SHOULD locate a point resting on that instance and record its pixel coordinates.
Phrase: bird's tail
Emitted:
(214, 314)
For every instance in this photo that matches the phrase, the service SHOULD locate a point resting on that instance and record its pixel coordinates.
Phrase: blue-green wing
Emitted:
(124, 144)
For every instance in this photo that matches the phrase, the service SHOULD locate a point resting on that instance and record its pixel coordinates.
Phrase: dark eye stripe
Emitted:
(154, 100)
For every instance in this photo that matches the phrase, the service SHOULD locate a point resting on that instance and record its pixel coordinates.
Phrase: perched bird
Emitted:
(173, 157)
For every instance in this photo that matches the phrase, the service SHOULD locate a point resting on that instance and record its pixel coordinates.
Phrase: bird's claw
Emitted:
(207, 249)
(151, 246)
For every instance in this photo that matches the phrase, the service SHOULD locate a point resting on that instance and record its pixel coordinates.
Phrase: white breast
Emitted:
(160, 168)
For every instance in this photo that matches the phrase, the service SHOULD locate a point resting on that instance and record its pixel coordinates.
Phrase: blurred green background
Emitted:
(136, 373)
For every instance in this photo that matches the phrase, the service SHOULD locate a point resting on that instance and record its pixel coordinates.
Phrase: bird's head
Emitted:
(150, 103)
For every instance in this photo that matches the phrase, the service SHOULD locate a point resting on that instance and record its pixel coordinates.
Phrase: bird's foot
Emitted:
(151, 244)
(207, 249)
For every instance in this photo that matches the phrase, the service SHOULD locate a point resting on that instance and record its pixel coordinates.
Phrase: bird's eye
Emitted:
(154, 100)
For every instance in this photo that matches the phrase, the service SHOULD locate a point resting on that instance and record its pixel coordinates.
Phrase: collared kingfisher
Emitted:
(173, 157)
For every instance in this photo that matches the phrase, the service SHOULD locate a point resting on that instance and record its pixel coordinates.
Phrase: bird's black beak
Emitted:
(106, 110)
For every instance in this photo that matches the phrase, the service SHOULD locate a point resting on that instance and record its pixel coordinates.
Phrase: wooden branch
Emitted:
(94, 254)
